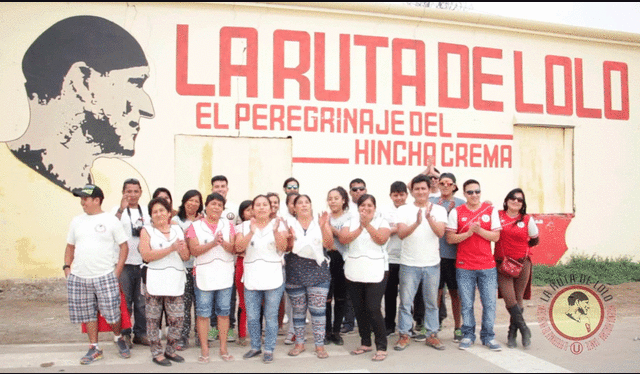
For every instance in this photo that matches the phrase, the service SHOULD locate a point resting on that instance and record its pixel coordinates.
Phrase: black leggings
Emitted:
(337, 292)
(367, 299)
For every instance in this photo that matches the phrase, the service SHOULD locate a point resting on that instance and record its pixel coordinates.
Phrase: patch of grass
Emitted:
(607, 271)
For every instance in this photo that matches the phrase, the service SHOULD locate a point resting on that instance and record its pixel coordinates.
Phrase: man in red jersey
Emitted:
(473, 226)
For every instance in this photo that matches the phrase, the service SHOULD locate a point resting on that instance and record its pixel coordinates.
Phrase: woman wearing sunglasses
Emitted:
(519, 233)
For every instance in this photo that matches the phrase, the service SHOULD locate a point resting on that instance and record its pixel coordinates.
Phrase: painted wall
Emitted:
(360, 91)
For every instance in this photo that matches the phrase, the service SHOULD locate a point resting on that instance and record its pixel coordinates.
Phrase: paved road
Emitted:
(619, 353)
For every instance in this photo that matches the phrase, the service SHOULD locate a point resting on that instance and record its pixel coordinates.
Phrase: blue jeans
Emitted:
(207, 300)
(253, 301)
(487, 282)
(410, 279)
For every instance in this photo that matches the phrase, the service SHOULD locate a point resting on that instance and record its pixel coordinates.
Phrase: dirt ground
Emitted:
(35, 312)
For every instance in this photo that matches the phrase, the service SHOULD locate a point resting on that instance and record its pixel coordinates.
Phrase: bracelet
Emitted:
(65, 267)
(120, 211)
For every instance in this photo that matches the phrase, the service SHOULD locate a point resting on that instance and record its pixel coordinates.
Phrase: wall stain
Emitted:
(31, 267)
(204, 182)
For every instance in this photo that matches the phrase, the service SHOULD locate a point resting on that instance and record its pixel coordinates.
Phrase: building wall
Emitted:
(244, 90)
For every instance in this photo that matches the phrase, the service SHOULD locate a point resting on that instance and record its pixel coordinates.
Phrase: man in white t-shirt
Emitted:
(91, 272)
(420, 225)
(132, 217)
(220, 184)
(398, 194)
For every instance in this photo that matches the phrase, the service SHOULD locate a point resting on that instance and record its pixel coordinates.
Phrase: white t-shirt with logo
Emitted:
(95, 238)
(134, 257)
(422, 247)
(230, 212)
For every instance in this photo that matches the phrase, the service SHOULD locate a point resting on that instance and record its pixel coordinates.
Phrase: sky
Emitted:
(608, 16)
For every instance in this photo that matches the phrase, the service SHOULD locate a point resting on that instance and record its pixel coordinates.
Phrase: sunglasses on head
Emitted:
(518, 199)
(471, 192)
(356, 189)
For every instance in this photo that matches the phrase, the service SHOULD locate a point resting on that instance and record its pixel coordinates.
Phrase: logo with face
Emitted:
(577, 317)
(100, 229)
(485, 218)
(231, 216)
(521, 224)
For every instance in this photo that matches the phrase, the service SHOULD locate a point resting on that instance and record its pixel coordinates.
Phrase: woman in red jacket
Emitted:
(519, 233)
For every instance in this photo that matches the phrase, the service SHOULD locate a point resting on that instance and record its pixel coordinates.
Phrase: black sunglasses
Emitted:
(518, 199)
(356, 189)
(471, 192)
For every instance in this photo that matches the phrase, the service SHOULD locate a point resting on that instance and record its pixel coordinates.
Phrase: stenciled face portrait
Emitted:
(84, 83)
(118, 103)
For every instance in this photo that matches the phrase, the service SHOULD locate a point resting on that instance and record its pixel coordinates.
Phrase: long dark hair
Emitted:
(511, 195)
(243, 206)
(182, 213)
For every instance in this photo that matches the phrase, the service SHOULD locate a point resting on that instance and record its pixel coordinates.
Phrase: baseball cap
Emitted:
(448, 175)
(88, 190)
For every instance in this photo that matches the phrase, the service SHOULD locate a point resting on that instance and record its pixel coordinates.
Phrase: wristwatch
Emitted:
(65, 267)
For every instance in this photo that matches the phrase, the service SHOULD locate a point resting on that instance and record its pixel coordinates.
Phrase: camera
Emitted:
(135, 231)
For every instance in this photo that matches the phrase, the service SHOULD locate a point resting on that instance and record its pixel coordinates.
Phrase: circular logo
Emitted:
(485, 218)
(101, 228)
(520, 224)
(576, 313)
(230, 216)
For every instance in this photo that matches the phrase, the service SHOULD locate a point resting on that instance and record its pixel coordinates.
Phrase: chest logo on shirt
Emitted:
(230, 216)
(520, 224)
(485, 218)
(463, 219)
(101, 229)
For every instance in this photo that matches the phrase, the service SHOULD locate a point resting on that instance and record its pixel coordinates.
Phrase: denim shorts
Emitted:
(206, 299)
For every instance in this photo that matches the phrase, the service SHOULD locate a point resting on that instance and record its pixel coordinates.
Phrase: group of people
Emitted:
(329, 265)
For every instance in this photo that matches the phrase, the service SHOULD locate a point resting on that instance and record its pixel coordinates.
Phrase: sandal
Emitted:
(296, 350)
(361, 350)
(226, 357)
(379, 356)
(322, 353)
(203, 359)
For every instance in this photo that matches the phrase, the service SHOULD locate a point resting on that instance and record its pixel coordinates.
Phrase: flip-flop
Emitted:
(379, 356)
(322, 353)
(226, 357)
(360, 351)
(203, 359)
(296, 351)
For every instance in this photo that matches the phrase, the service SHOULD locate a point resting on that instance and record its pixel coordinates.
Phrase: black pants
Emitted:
(367, 299)
(337, 292)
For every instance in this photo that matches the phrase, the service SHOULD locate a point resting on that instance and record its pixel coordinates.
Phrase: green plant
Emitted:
(605, 270)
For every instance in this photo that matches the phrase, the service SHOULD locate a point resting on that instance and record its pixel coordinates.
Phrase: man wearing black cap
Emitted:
(92, 272)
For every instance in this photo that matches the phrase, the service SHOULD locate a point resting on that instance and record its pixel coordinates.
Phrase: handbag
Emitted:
(510, 267)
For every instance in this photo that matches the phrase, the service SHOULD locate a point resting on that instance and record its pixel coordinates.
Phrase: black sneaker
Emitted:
(123, 348)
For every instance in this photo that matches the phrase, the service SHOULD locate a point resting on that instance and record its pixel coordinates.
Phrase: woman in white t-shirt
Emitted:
(163, 247)
(338, 202)
(263, 241)
(366, 269)
(211, 240)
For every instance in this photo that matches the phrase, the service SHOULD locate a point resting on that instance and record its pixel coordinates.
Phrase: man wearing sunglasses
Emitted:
(357, 188)
(448, 187)
(473, 226)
